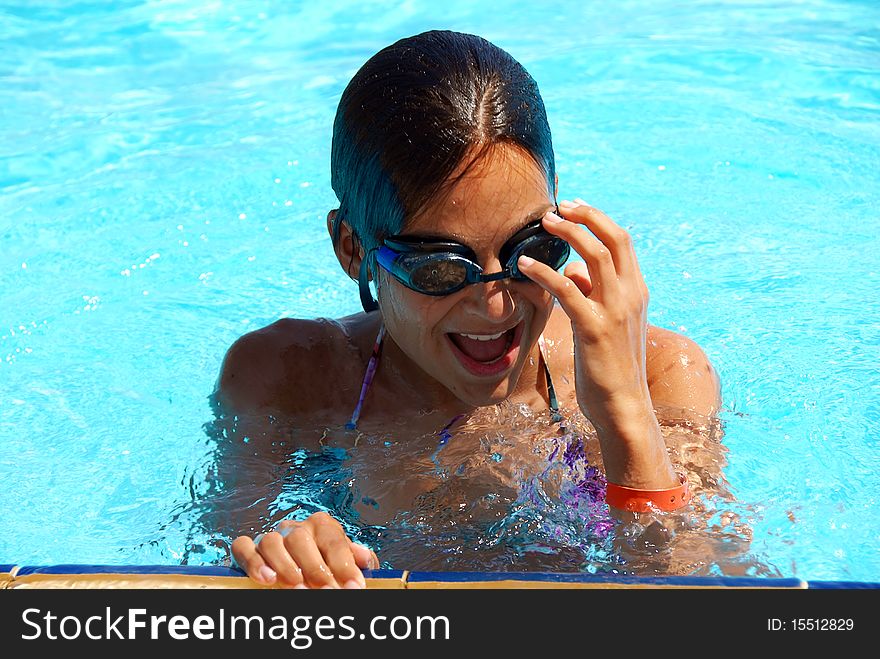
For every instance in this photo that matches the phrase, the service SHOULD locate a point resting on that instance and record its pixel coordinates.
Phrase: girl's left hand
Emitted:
(606, 299)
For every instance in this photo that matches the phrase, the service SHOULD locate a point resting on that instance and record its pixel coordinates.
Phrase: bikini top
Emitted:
(444, 434)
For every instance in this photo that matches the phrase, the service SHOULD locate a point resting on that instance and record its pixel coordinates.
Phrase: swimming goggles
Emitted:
(437, 267)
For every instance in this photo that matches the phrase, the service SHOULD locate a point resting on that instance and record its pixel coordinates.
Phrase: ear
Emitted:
(555, 186)
(348, 250)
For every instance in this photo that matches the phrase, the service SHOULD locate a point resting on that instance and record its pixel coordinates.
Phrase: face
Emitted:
(499, 196)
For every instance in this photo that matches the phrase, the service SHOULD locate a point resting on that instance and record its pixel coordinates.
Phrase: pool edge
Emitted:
(69, 576)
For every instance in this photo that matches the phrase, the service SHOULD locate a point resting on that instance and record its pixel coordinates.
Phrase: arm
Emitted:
(650, 394)
(606, 299)
(272, 371)
(244, 434)
(243, 485)
(621, 371)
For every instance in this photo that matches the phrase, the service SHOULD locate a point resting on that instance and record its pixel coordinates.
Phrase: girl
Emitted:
(444, 169)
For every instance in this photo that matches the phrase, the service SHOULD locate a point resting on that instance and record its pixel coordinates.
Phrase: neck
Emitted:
(412, 386)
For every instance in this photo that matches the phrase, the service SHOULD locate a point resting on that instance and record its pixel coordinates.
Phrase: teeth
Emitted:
(484, 337)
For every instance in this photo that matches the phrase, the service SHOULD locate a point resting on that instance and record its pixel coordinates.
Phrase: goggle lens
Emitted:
(439, 275)
(547, 249)
(443, 273)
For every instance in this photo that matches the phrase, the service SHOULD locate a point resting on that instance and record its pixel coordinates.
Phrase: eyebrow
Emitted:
(530, 219)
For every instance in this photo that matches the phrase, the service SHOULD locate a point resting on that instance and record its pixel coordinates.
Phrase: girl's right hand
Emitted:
(315, 553)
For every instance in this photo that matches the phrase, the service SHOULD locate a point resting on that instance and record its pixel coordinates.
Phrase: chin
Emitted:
(486, 398)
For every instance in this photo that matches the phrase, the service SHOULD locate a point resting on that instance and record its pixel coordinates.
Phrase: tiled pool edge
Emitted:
(183, 576)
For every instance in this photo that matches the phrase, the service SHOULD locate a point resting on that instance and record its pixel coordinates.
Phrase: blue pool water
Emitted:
(164, 179)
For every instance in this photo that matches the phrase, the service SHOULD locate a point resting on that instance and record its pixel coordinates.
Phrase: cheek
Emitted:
(391, 301)
(406, 312)
(538, 297)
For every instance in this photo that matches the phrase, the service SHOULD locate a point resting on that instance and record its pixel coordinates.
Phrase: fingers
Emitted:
(245, 553)
(571, 297)
(612, 275)
(315, 553)
(612, 236)
(364, 557)
(578, 273)
(602, 273)
(274, 552)
(300, 542)
(336, 554)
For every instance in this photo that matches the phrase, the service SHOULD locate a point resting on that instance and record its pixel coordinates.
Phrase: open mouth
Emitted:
(485, 355)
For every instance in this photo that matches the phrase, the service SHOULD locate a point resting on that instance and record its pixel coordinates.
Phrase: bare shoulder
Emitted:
(681, 379)
(680, 374)
(287, 366)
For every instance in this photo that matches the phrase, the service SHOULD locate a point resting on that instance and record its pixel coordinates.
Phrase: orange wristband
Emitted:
(642, 501)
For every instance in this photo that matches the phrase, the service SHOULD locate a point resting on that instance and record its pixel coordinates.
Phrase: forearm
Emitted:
(635, 455)
(633, 449)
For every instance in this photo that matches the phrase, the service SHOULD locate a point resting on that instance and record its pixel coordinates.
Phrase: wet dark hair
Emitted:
(410, 116)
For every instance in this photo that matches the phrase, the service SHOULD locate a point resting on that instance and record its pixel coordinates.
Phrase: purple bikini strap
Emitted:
(368, 378)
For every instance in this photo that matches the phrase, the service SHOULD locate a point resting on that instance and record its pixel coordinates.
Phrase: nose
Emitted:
(491, 301)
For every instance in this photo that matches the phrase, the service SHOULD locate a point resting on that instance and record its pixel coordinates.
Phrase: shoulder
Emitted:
(680, 374)
(681, 379)
(285, 366)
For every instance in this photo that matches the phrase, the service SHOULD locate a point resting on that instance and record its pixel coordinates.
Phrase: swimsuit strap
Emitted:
(551, 392)
(368, 378)
(374, 364)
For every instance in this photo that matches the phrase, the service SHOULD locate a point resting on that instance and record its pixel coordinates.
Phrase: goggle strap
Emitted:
(367, 301)
(495, 276)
